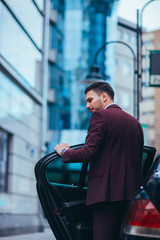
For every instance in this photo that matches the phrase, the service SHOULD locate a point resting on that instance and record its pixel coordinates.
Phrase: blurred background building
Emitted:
(56, 95)
(46, 50)
(150, 98)
(22, 101)
(124, 67)
(85, 30)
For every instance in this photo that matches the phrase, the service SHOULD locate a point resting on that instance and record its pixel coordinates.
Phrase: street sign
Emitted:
(154, 79)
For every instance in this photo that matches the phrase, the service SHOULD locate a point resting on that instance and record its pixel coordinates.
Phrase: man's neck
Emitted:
(111, 103)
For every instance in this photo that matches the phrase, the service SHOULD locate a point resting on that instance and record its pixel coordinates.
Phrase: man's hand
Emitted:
(58, 148)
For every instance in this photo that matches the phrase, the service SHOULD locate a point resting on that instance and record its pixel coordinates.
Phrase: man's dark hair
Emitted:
(100, 87)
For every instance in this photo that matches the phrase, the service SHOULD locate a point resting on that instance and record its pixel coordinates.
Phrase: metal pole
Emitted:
(134, 90)
(138, 64)
(139, 52)
(45, 75)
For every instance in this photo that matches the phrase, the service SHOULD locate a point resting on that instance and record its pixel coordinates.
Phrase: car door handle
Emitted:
(74, 203)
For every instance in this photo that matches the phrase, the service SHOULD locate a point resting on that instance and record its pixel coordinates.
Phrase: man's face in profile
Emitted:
(94, 101)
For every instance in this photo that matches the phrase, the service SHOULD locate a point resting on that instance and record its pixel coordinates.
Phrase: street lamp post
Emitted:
(139, 51)
(94, 74)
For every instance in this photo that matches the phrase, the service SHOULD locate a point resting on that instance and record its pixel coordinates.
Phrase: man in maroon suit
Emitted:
(113, 147)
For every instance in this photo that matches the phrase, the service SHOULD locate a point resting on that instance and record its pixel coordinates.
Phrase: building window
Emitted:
(18, 50)
(125, 101)
(148, 42)
(117, 64)
(126, 68)
(134, 39)
(4, 146)
(120, 34)
(127, 37)
(60, 46)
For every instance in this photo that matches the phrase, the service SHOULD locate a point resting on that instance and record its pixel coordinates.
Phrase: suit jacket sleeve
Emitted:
(96, 133)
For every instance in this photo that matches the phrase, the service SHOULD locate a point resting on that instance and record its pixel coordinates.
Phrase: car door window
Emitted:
(147, 159)
(63, 173)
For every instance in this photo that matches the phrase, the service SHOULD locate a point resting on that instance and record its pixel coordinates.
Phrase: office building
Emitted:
(22, 111)
(85, 30)
(56, 95)
(123, 64)
(150, 104)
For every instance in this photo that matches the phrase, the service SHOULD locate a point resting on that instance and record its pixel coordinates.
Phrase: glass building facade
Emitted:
(85, 30)
(17, 46)
(56, 66)
(21, 105)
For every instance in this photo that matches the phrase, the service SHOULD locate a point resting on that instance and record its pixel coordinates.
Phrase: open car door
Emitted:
(62, 190)
(147, 160)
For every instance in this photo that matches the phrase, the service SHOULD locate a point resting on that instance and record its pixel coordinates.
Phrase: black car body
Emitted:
(143, 217)
(62, 192)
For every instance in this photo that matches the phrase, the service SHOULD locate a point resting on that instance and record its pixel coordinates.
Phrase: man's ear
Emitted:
(104, 96)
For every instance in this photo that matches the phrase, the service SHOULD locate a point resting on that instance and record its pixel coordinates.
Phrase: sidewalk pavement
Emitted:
(46, 235)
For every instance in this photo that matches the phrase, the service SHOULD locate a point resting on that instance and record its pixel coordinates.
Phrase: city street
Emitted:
(79, 119)
(47, 234)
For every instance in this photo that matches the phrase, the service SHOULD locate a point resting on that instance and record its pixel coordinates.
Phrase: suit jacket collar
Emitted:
(113, 106)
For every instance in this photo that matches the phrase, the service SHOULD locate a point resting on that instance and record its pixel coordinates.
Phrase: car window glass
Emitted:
(144, 157)
(86, 177)
(63, 173)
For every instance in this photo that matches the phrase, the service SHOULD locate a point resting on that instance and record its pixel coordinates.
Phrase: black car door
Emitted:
(147, 159)
(62, 192)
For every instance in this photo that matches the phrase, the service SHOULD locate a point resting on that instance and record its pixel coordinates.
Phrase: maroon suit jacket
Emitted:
(113, 147)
